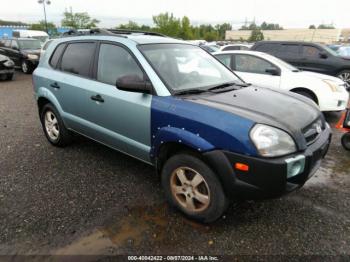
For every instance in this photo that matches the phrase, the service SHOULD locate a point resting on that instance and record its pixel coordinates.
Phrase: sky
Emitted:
(288, 13)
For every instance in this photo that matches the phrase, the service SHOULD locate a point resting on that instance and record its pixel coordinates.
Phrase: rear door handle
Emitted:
(55, 85)
(97, 98)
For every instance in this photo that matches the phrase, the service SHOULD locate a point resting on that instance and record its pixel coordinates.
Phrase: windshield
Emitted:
(29, 44)
(42, 39)
(344, 51)
(184, 67)
(330, 50)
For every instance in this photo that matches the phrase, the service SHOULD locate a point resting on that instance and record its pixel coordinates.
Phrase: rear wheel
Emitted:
(192, 187)
(345, 76)
(53, 126)
(345, 141)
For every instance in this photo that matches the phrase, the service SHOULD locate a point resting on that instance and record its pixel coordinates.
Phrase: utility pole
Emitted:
(44, 3)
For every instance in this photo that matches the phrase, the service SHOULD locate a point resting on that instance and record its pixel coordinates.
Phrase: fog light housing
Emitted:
(295, 165)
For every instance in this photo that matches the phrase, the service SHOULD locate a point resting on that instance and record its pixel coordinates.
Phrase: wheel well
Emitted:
(305, 90)
(42, 101)
(170, 149)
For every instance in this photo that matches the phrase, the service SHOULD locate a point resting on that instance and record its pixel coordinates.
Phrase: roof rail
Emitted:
(131, 31)
(102, 31)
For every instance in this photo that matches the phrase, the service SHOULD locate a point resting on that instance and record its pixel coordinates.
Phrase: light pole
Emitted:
(44, 3)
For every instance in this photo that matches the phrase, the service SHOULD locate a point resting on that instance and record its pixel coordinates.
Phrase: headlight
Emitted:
(33, 57)
(333, 85)
(271, 141)
(9, 63)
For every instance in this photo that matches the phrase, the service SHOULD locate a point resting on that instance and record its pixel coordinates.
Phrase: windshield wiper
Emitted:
(224, 85)
(190, 91)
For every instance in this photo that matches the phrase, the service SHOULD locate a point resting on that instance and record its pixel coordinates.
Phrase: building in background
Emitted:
(326, 36)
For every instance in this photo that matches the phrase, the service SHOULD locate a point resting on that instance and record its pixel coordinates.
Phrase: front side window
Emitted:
(184, 67)
(77, 58)
(252, 64)
(114, 62)
(310, 51)
(225, 59)
(29, 44)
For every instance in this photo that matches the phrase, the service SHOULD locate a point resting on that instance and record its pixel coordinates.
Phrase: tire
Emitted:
(26, 68)
(306, 94)
(345, 141)
(345, 76)
(9, 77)
(55, 131)
(213, 200)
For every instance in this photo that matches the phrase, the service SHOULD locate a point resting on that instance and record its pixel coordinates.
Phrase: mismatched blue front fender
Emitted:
(199, 127)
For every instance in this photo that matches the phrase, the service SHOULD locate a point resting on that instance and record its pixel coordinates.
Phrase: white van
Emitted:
(40, 35)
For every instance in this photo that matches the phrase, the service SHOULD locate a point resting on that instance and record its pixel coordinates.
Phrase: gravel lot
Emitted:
(89, 199)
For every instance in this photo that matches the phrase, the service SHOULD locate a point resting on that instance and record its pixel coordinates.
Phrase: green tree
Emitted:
(323, 26)
(78, 20)
(256, 35)
(167, 24)
(52, 29)
(269, 26)
(4, 22)
(312, 27)
(186, 30)
(222, 28)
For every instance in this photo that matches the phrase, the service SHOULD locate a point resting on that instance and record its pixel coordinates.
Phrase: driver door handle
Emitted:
(97, 98)
(55, 85)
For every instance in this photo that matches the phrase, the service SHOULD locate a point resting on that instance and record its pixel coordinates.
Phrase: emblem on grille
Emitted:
(318, 128)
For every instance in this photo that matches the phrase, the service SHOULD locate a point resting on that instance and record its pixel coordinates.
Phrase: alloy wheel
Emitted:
(24, 67)
(190, 189)
(51, 125)
(345, 76)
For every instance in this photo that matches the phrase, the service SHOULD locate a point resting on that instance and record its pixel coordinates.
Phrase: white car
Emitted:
(232, 47)
(262, 69)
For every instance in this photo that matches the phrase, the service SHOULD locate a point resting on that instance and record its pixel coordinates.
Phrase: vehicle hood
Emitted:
(31, 51)
(3, 58)
(287, 111)
(320, 76)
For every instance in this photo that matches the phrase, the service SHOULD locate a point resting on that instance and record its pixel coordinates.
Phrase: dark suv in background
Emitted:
(308, 56)
(24, 52)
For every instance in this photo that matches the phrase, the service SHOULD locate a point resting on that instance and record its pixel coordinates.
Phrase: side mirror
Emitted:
(273, 71)
(133, 83)
(323, 55)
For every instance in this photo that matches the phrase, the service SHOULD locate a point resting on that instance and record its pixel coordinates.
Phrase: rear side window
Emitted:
(270, 48)
(115, 62)
(7, 43)
(14, 44)
(77, 58)
(56, 55)
(291, 51)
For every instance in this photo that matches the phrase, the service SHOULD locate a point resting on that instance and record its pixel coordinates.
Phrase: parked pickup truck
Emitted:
(209, 135)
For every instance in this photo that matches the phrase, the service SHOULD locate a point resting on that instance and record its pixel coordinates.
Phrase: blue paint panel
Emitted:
(201, 127)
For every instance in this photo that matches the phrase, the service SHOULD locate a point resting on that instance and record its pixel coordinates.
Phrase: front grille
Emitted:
(313, 131)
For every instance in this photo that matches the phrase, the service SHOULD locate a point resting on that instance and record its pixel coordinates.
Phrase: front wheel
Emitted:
(26, 68)
(345, 76)
(345, 141)
(192, 187)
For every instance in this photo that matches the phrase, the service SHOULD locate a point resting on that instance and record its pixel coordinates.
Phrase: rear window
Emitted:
(289, 51)
(77, 58)
(56, 55)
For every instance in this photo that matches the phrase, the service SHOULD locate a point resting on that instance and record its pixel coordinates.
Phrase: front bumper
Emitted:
(338, 101)
(268, 178)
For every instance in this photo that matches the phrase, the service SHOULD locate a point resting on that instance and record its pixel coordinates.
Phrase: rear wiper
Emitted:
(190, 91)
(224, 85)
